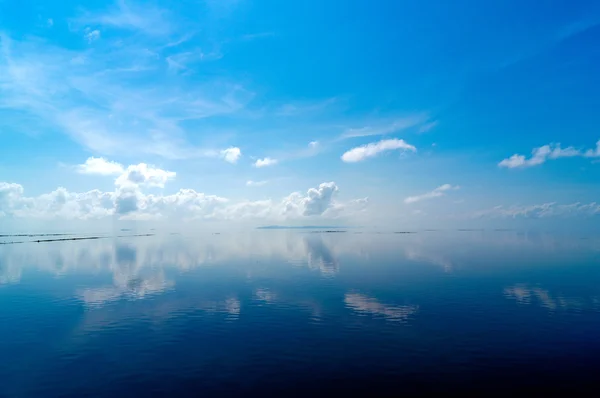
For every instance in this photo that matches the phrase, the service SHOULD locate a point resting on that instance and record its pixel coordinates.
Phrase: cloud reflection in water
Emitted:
(371, 306)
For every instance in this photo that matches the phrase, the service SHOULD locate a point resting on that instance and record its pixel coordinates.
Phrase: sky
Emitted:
(414, 113)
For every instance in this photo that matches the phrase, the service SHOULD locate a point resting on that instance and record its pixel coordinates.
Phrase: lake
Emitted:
(295, 313)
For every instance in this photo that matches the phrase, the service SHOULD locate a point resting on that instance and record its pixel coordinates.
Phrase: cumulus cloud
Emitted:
(439, 191)
(543, 210)
(10, 195)
(265, 162)
(100, 166)
(59, 203)
(251, 183)
(316, 202)
(143, 174)
(129, 201)
(185, 204)
(319, 199)
(370, 150)
(129, 197)
(547, 152)
(231, 155)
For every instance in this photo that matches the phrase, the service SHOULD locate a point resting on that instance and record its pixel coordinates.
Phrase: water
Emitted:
(286, 313)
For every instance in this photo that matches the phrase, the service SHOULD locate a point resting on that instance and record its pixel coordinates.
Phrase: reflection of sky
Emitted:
(139, 268)
(320, 255)
(125, 258)
(265, 295)
(131, 279)
(201, 303)
(369, 305)
(525, 294)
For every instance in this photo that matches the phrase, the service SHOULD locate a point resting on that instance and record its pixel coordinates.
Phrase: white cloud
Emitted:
(547, 152)
(128, 195)
(57, 204)
(92, 35)
(354, 207)
(143, 174)
(265, 162)
(128, 201)
(10, 196)
(251, 183)
(231, 155)
(319, 199)
(370, 150)
(90, 95)
(439, 191)
(593, 153)
(550, 209)
(100, 166)
(50, 22)
(185, 204)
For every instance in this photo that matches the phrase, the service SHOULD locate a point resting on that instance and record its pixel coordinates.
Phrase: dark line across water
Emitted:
(71, 239)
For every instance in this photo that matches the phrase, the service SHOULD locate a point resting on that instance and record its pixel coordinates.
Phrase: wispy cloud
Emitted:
(254, 36)
(265, 162)
(303, 108)
(281, 156)
(550, 209)
(363, 152)
(436, 193)
(428, 127)
(547, 152)
(184, 62)
(147, 19)
(251, 183)
(577, 27)
(92, 35)
(383, 128)
(91, 94)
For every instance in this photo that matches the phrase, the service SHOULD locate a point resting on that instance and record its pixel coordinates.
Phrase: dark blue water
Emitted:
(281, 313)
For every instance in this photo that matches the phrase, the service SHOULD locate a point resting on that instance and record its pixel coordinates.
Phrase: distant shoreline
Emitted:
(302, 227)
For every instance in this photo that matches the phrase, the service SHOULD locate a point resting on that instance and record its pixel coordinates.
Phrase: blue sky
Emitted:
(410, 112)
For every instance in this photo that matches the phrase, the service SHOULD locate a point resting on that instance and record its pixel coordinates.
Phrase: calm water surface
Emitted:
(287, 313)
